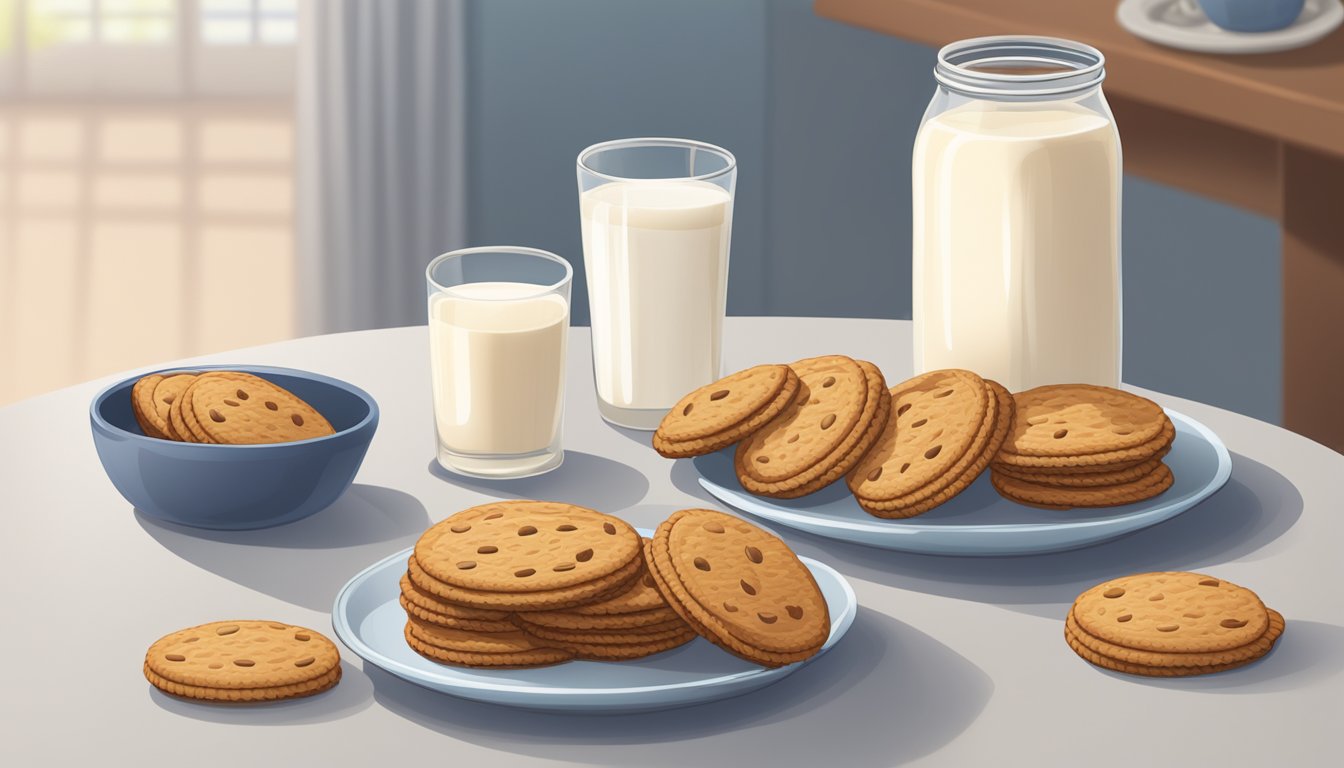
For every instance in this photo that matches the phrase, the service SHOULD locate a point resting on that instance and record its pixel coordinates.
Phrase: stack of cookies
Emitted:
(541, 563)
(943, 429)
(517, 584)
(225, 407)
(1078, 445)
(243, 661)
(1171, 624)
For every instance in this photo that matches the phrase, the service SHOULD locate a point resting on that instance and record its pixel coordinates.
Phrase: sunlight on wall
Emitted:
(131, 235)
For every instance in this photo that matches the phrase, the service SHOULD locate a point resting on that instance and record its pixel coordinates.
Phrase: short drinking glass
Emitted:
(498, 323)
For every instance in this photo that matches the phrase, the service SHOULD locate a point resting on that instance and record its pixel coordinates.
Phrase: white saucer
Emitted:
(1166, 23)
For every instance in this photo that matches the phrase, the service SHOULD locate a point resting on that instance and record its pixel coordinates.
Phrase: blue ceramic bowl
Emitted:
(236, 487)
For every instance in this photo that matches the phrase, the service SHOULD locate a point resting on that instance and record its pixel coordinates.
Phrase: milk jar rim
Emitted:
(656, 141)
(1085, 67)
(541, 289)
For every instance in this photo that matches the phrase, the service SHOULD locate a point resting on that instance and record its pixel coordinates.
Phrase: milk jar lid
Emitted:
(1015, 67)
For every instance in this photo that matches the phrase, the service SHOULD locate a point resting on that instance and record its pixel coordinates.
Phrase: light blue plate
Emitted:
(978, 521)
(369, 620)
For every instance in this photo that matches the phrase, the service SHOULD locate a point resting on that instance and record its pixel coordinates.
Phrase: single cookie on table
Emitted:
(1147, 486)
(739, 586)
(526, 555)
(1171, 624)
(1082, 426)
(722, 413)
(234, 408)
(497, 650)
(1153, 663)
(942, 430)
(243, 661)
(835, 417)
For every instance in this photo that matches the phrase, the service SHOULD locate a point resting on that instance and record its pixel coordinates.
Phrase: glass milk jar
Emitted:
(1017, 216)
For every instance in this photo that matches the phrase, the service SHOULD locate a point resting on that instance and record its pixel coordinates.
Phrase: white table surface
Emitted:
(951, 661)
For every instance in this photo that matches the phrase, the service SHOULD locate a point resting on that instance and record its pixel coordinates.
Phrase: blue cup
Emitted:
(1252, 15)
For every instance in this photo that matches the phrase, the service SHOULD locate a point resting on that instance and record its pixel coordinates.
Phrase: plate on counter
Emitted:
(979, 522)
(1175, 24)
(369, 620)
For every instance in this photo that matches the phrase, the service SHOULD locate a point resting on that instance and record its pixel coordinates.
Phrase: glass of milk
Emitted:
(1016, 178)
(498, 323)
(656, 216)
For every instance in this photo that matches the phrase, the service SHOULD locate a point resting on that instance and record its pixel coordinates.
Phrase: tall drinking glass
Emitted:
(656, 216)
(498, 322)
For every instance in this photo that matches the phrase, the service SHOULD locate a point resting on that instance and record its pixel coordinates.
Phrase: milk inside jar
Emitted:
(1016, 185)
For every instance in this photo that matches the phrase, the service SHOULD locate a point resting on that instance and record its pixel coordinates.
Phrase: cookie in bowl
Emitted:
(223, 407)
(209, 463)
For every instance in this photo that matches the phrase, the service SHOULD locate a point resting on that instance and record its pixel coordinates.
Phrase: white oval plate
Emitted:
(369, 620)
(1165, 22)
(979, 521)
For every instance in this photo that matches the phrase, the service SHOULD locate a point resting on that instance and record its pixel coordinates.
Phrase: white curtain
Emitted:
(381, 159)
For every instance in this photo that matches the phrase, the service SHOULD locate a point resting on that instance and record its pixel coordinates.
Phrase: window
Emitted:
(136, 22)
(109, 22)
(248, 22)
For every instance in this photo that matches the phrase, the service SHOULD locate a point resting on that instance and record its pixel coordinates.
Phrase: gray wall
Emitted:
(821, 117)
(546, 79)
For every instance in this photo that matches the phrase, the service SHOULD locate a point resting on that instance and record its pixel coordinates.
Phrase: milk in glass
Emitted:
(498, 353)
(656, 254)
